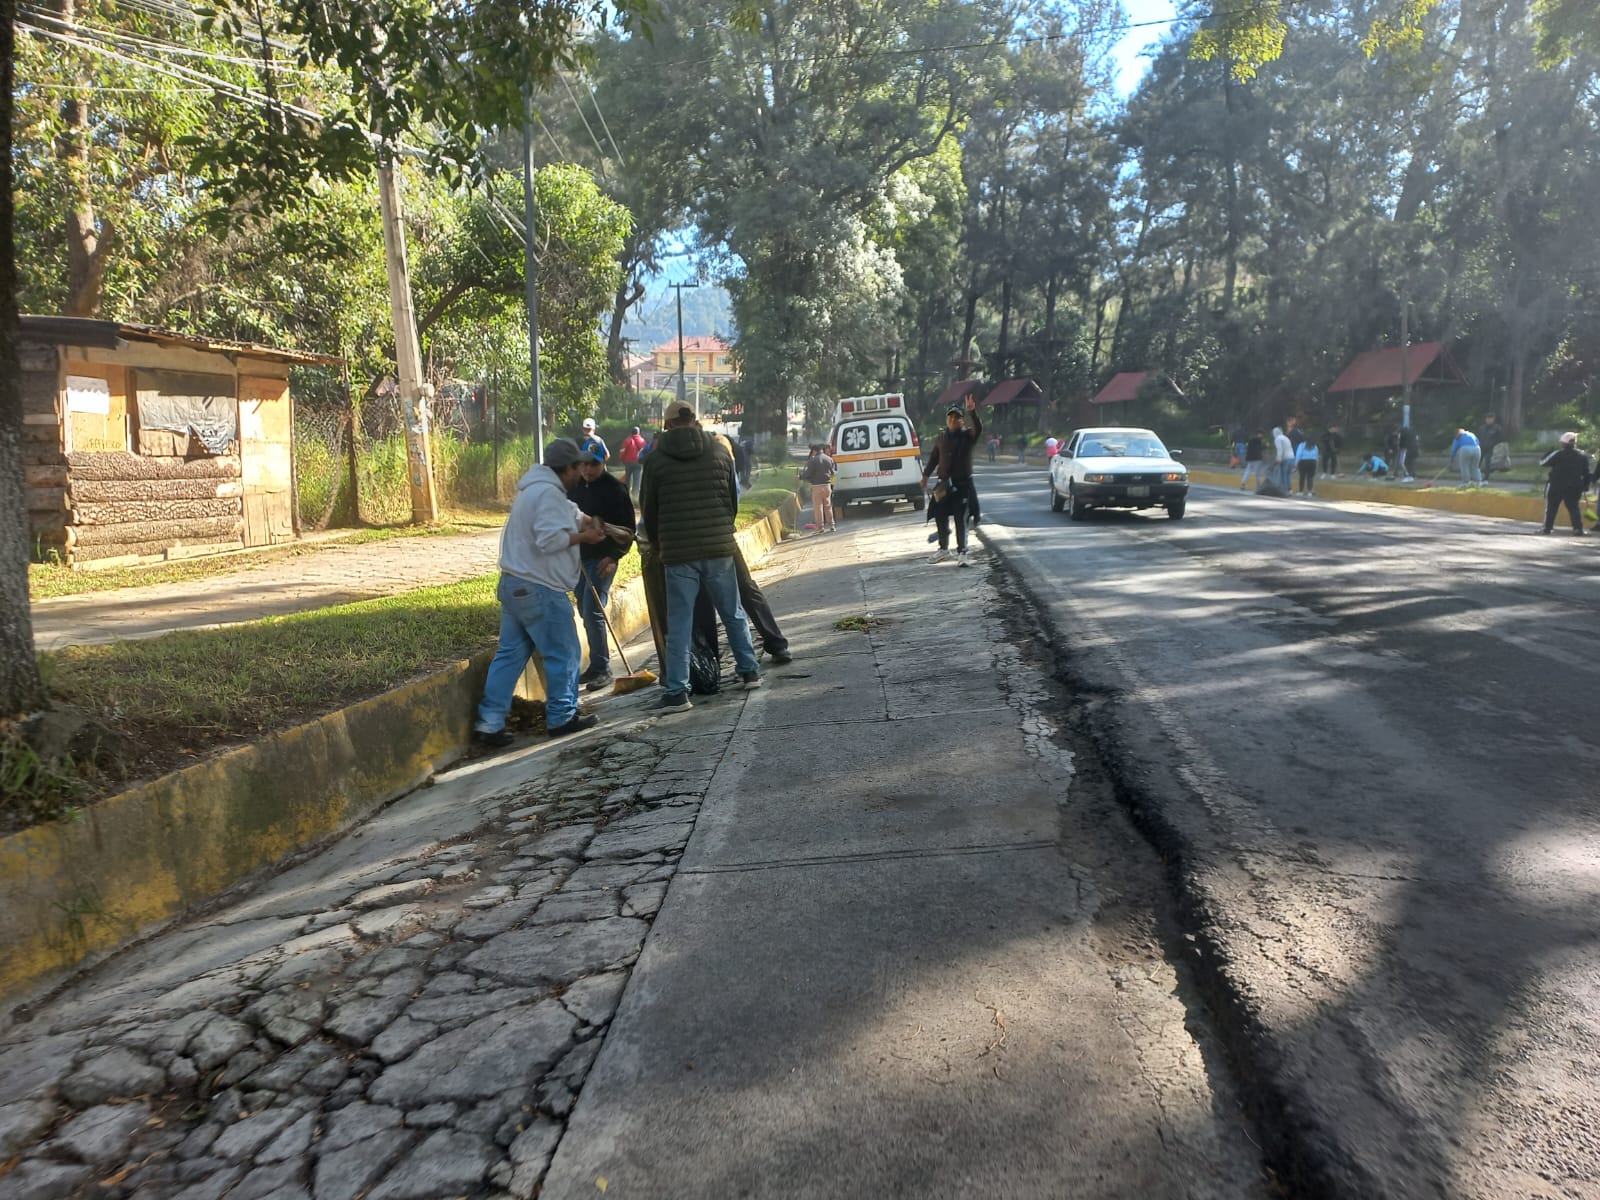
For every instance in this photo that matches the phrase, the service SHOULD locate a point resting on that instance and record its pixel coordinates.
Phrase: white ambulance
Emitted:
(876, 452)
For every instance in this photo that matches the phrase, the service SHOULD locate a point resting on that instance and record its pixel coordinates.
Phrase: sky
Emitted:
(1131, 66)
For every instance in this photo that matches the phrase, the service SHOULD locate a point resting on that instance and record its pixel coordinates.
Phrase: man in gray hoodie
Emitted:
(539, 567)
(690, 496)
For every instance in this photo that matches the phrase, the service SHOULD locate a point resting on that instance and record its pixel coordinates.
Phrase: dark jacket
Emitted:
(606, 498)
(817, 469)
(952, 452)
(689, 496)
(1252, 449)
(1569, 469)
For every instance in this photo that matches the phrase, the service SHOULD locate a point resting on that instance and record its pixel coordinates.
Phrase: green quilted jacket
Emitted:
(689, 495)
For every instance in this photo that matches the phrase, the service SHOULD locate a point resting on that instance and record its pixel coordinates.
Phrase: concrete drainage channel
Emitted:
(1160, 909)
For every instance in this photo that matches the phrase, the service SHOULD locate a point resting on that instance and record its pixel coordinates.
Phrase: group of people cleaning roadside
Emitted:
(570, 526)
(1297, 458)
(1290, 459)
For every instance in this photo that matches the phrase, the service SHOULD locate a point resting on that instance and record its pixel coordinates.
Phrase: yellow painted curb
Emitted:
(75, 891)
(1478, 503)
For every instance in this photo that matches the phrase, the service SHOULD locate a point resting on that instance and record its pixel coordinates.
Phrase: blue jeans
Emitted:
(721, 580)
(532, 618)
(594, 621)
(1286, 474)
(630, 475)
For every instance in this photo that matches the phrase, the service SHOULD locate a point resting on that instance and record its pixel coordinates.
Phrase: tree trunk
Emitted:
(629, 292)
(1230, 242)
(88, 242)
(21, 690)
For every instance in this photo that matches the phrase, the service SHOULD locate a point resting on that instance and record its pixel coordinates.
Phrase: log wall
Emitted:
(97, 507)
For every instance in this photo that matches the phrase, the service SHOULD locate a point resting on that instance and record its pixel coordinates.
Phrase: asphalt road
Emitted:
(1364, 739)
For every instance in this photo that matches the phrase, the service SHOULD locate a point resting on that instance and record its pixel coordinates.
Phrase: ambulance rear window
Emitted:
(892, 435)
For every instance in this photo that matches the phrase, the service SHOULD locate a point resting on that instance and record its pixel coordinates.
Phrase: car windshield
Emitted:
(1108, 446)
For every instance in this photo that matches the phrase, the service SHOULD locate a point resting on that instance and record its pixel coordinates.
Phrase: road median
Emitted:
(1478, 502)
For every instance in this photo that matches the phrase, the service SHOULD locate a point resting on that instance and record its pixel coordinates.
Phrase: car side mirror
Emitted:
(1175, 453)
(1064, 453)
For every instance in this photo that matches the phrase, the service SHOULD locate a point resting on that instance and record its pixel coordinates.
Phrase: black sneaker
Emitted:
(779, 658)
(577, 725)
(674, 703)
(750, 680)
(499, 739)
(596, 681)
(592, 674)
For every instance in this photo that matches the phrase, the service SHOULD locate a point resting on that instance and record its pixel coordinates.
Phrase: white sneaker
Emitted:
(939, 556)
(961, 558)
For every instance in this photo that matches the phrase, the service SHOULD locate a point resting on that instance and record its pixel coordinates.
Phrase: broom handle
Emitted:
(595, 592)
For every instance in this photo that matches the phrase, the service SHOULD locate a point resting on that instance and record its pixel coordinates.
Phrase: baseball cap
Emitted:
(591, 455)
(955, 409)
(682, 413)
(562, 452)
(1569, 439)
(588, 423)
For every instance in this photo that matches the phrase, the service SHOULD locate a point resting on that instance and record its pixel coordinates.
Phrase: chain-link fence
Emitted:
(363, 482)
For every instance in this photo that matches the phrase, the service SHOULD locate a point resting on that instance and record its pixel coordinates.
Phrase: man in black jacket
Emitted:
(1569, 476)
(690, 496)
(599, 493)
(1490, 436)
(951, 461)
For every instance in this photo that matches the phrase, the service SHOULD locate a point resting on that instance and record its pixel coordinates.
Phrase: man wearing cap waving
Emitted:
(539, 566)
(592, 443)
(951, 460)
(690, 496)
(1569, 476)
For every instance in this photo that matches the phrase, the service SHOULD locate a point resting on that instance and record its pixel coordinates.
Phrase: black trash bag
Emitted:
(705, 650)
(1271, 489)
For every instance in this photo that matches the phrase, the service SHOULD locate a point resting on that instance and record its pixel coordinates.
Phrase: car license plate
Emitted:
(889, 464)
(1138, 491)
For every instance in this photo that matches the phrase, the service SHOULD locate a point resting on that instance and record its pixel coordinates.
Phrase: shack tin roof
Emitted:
(108, 335)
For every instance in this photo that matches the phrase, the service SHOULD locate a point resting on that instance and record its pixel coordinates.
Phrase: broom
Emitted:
(1435, 479)
(633, 680)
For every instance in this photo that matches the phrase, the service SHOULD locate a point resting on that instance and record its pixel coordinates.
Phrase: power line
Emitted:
(578, 108)
(603, 124)
(116, 37)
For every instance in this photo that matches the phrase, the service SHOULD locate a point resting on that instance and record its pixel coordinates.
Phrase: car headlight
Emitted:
(1100, 478)
(1175, 477)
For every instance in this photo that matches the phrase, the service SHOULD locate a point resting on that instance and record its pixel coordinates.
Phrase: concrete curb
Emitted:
(78, 890)
(1473, 504)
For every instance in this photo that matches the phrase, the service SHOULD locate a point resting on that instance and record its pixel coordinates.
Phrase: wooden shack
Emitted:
(141, 444)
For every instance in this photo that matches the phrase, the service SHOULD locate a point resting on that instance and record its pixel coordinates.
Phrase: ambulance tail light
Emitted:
(847, 406)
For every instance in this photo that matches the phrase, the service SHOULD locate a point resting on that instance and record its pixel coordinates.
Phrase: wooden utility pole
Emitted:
(414, 394)
(530, 267)
(683, 381)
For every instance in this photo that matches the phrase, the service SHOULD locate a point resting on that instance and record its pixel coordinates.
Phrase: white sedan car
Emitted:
(1117, 468)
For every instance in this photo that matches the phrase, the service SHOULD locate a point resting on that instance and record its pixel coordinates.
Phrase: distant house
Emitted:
(141, 444)
(706, 359)
(638, 370)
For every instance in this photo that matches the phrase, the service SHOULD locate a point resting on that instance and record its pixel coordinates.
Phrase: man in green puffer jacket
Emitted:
(690, 496)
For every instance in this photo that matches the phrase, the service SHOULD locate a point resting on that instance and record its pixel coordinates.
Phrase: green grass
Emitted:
(184, 695)
(188, 691)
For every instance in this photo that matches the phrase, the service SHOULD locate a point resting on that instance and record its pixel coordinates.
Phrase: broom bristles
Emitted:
(632, 683)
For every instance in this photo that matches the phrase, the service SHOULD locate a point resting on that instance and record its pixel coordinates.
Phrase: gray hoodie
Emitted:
(536, 543)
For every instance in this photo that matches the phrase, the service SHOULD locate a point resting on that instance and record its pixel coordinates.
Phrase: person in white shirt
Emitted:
(539, 567)
(1283, 465)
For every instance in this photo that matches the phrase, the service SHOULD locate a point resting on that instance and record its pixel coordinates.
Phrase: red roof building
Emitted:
(1390, 369)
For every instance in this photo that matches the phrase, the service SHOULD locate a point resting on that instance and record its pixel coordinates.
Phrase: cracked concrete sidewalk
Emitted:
(841, 936)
